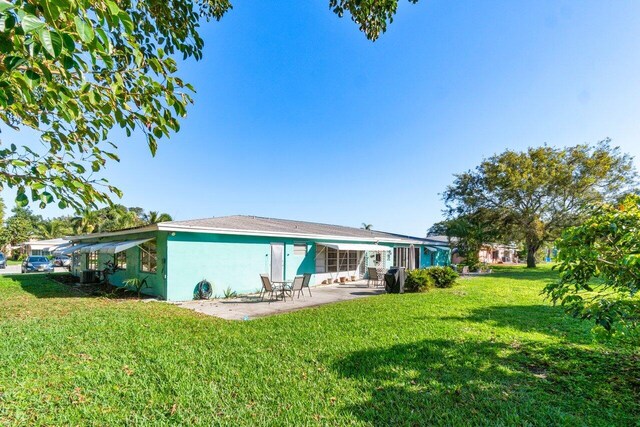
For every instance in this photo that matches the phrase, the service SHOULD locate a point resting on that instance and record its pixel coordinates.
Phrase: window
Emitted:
(148, 257)
(332, 260)
(120, 260)
(329, 260)
(300, 249)
(353, 260)
(401, 257)
(92, 261)
(321, 259)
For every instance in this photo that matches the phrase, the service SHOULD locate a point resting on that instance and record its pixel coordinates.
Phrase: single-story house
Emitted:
(489, 253)
(232, 251)
(42, 247)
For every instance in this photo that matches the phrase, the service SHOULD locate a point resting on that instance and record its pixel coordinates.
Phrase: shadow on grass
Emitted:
(471, 383)
(61, 285)
(545, 319)
(545, 273)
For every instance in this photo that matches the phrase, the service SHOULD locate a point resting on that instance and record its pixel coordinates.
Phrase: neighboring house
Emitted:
(233, 251)
(42, 247)
(490, 253)
(498, 254)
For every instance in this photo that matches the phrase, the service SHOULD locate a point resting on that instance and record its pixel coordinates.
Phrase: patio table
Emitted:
(283, 288)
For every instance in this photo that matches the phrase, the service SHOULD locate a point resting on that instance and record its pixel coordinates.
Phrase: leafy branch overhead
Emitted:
(72, 70)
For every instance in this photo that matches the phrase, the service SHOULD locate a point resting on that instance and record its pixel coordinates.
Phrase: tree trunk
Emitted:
(531, 255)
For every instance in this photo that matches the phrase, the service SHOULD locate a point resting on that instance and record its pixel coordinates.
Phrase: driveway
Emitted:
(15, 269)
(250, 306)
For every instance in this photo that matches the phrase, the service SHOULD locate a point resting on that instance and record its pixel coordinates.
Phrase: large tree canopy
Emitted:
(72, 70)
(532, 196)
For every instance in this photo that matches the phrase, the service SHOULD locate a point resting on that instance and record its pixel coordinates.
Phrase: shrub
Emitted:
(443, 277)
(418, 281)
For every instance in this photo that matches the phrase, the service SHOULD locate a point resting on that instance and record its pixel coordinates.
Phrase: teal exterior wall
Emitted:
(437, 258)
(156, 281)
(228, 261)
(232, 261)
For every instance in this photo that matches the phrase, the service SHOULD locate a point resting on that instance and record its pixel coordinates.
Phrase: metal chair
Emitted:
(306, 281)
(296, 286)
(268, 287)
(375, 277)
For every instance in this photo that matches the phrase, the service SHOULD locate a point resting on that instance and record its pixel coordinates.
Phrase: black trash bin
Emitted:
(394, 280)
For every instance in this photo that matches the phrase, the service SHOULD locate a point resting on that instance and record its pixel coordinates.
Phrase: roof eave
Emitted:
(153, 227)
(210, 230)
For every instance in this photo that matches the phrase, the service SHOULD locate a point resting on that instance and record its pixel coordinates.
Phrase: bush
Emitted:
(418, 281)
(443, 277)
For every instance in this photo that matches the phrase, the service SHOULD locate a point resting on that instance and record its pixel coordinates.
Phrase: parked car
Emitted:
(3, 261)
(62, 261)
(37, 264)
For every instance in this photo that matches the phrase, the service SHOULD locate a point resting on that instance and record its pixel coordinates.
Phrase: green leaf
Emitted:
(84, 30)
(68, 42)
(7, 22)
(13, 62)
(22, 200)
(18, 163)
(5, 5)
(113, 7)
(126, 21)
(31, 23)
(51, 41)
(32, 76)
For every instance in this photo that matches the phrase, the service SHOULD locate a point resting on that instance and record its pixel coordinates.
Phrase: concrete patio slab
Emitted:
(250, 306)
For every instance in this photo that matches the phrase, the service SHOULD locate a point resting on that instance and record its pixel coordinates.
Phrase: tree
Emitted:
(54, 228)
(366, 226)
(532, 196)
(599, 265)
(470, 231)
(74, 70)
(20, 227)
(154, 217)
(85, 222)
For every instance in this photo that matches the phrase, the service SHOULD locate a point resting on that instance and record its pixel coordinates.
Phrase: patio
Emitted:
(248, 307)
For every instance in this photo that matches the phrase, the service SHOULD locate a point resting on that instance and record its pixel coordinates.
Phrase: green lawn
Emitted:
(489, 351)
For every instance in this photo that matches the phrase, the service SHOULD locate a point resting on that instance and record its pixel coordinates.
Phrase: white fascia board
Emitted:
(153, 227)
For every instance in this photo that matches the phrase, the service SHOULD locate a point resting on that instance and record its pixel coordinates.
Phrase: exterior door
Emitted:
(277, 261)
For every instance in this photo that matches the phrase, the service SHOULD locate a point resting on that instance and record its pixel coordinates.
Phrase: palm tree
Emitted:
(53, 229)
(86, 222)
(366, 226)
(154, 217)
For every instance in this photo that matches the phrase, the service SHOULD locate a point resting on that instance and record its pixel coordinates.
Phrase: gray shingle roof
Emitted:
(273, 225)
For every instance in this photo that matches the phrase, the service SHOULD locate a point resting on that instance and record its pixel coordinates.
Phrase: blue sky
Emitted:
(298, 116)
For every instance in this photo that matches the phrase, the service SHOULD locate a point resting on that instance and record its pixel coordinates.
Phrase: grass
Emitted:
(489, 351)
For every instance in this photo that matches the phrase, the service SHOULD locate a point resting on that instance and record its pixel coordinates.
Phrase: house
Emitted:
(232, 251)
(42, 247)
(498, 254)
(489, 253)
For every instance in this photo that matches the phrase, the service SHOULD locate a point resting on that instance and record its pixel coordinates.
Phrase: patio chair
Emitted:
(375, 277)
(268, 287)
(306, 281)
(296, 286)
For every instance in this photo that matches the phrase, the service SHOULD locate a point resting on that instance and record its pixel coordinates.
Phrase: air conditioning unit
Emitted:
(89, 276)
